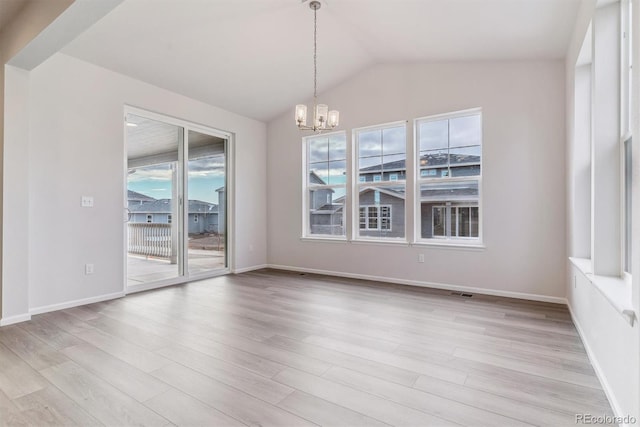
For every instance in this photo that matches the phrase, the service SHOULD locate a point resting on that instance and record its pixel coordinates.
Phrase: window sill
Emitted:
(323, 239)
(616, 290)
(452, 245)
(380, 242)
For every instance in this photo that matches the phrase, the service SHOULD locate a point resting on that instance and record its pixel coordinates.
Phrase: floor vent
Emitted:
(462, 294)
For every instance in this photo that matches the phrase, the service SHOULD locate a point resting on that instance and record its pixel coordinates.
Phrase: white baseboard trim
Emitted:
(75, 303)
(252, 268)
(596, 367)
(444, 286)
(6, 321)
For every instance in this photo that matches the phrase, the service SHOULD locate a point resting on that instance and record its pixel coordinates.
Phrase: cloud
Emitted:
(151, 173)
(382, 141)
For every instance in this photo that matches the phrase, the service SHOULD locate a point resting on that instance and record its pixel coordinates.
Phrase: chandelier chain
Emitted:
(315, 54)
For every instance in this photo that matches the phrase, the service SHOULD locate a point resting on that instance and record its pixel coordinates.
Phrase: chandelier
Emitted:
(322, 118)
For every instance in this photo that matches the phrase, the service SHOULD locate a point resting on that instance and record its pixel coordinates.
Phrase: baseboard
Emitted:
(444, 286)
(75, 303)
(6, 321)
(596, 367)
(252, 268)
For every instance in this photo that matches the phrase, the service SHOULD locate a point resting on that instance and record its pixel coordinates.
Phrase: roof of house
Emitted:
(437, 159)
(315, 179)
(165, 206)
(328, 209)
(134, 195)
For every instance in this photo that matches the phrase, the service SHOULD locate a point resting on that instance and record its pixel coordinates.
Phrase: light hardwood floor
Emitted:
(285, 349)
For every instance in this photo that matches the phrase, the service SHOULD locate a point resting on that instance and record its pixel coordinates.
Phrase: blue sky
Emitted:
(205, 177)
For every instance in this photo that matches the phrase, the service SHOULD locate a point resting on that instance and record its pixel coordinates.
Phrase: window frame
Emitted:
(420, 180)
(357, 185)
(306, 189)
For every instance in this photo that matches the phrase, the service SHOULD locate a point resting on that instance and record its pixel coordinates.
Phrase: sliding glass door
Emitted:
(206, 187)
(176, 201)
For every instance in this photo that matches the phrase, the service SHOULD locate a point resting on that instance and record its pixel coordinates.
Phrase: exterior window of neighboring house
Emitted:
(456, 221)
(169, 218)
(195, 218)
(325, 184)
(381, 187)
(375, 218)
(449, 158)
(149, 218)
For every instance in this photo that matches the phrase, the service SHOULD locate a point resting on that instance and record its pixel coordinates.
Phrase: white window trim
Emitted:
(626, 58)
(306, 188)
(473, 242)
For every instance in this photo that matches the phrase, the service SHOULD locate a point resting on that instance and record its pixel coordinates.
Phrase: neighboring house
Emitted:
(203, 216)
(431, 165)
(134, 198)
(456, 201)
(326, 217)
(381, 212)
(451, 205)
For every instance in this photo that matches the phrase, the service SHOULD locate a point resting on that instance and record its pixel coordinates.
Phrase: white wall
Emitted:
(15, 226)
(77, 148)
(523, 175)
(16, 34)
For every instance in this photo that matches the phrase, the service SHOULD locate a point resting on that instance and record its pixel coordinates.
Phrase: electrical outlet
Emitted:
(87, 201)
(420, 257)
(88, 269)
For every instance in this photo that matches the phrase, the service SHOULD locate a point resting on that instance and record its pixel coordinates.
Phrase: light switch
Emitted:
(87, 201)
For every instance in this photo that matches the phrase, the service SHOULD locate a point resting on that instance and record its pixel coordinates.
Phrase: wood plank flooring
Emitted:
(273, 348)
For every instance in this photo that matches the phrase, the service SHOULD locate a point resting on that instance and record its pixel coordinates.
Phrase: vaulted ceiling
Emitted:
(254, 57)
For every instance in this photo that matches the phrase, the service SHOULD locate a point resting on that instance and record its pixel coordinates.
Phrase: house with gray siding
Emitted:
(203, 216)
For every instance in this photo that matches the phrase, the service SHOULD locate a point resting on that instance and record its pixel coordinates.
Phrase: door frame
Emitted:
(229, 198)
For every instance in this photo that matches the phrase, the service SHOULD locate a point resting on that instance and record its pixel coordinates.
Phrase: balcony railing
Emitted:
(150, 239)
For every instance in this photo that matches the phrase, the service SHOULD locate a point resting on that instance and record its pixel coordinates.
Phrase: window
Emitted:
(449, 158)
(381, 187)
(149, 218)
(375, 218)
(325, 179)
